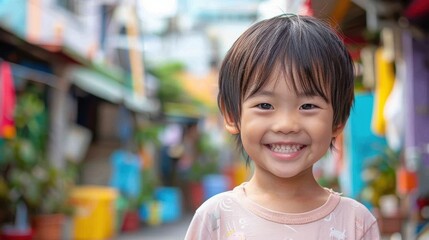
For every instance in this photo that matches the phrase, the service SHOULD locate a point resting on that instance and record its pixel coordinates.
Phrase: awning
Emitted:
(141, 104)
(110, 89)
(97, 84)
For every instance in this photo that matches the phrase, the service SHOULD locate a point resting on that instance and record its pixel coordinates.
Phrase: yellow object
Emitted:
(155, 209)
(385, 78)
(241, 173)
(95, 212)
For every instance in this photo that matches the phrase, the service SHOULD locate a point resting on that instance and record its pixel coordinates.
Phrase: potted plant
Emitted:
(380, 190)
(129, 219)
(26, 174)
(147, 203)
(46, 193)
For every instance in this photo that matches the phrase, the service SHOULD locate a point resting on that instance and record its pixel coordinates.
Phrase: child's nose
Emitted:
(286, 122)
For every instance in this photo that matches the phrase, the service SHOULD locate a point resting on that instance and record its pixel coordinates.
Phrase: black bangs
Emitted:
(295, 52)
(307, 67)
(262, 59)
(313, 59)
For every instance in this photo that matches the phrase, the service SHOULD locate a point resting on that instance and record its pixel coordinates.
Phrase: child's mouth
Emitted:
(285, 148)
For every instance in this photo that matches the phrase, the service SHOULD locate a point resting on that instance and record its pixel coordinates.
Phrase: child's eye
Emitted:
(265, 106)
(307, 106)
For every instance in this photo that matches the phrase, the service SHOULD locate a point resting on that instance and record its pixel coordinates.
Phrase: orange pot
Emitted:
(48, 226)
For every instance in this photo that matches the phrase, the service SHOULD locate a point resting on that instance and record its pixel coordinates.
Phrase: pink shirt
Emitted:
(232, 216)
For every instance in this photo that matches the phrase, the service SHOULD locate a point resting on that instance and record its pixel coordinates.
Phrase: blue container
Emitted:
(171, 200)
(214, 184)
(126, 174)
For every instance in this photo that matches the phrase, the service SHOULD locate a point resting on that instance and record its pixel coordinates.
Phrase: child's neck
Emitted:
(287, 195)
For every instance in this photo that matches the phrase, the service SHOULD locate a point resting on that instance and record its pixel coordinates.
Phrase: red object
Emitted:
(131, 221)
(13, 234)
(422, 202)
(418, 8)
(7, 101)
(197, 194)
(306, 8)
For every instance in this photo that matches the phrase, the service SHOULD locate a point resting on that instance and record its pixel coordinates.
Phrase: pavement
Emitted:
(166, 231)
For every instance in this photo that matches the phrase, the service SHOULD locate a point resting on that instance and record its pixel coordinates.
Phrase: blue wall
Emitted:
(360, 144)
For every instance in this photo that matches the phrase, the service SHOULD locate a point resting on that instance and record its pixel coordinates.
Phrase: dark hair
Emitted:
(302, 48)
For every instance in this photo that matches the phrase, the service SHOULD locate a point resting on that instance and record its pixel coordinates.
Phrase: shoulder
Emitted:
(206, 220)
(223, 204)
(222, 199)
(357, 212)
(355, 207)
(357, 217)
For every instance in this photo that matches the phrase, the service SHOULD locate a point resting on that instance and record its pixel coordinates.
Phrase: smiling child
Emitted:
(285, 91)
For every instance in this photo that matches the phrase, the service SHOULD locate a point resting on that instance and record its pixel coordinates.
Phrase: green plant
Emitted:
(26, 175)
(170, 89)
(199, 169)
(206, 161)
(44, 189)
(149, 182)
(148, 133)
(380, 176)
(206, 146)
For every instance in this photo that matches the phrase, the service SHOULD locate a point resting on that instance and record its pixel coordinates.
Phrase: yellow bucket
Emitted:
(95, 212)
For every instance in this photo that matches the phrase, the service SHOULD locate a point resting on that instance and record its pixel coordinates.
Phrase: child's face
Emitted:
(283, 132)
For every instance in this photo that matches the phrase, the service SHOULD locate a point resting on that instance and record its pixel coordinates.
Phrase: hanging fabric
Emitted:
(385, 78)
(7, 101)
(394, 112)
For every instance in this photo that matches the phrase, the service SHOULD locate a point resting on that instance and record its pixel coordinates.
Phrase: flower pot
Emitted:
(14, 234)
(389, 224)
(48, 226)
(131, 221)
(196, 192)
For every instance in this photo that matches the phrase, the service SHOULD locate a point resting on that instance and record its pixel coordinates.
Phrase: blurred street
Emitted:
(109, 123)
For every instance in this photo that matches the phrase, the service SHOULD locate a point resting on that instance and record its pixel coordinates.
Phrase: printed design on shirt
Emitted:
(329, 218)
(236, 236)
(233, 234)
(225, 205)
(289, 227)
(214, 220)
(336, 234)
(243, 222)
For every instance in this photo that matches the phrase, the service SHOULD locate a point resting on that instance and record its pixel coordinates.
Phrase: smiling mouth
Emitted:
(280, 148)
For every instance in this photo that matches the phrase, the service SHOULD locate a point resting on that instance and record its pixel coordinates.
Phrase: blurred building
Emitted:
(388, 41)
(90, 58)
(86, 56)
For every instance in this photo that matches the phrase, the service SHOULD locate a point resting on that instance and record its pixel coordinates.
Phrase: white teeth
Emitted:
(285, 148)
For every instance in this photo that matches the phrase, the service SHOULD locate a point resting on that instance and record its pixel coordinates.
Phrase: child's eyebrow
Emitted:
(312, 96)
(261, 93)
(307, 94)
(268, 93)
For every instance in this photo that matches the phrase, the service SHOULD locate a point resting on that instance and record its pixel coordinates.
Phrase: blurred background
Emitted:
(109, 127)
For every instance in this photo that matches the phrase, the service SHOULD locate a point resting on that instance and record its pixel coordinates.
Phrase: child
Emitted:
(285, 91)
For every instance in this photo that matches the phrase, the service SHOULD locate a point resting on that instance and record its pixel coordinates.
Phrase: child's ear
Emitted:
(230, 125)
(337, 130)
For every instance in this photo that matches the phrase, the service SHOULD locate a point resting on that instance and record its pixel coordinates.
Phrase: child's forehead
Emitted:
(295, 79)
